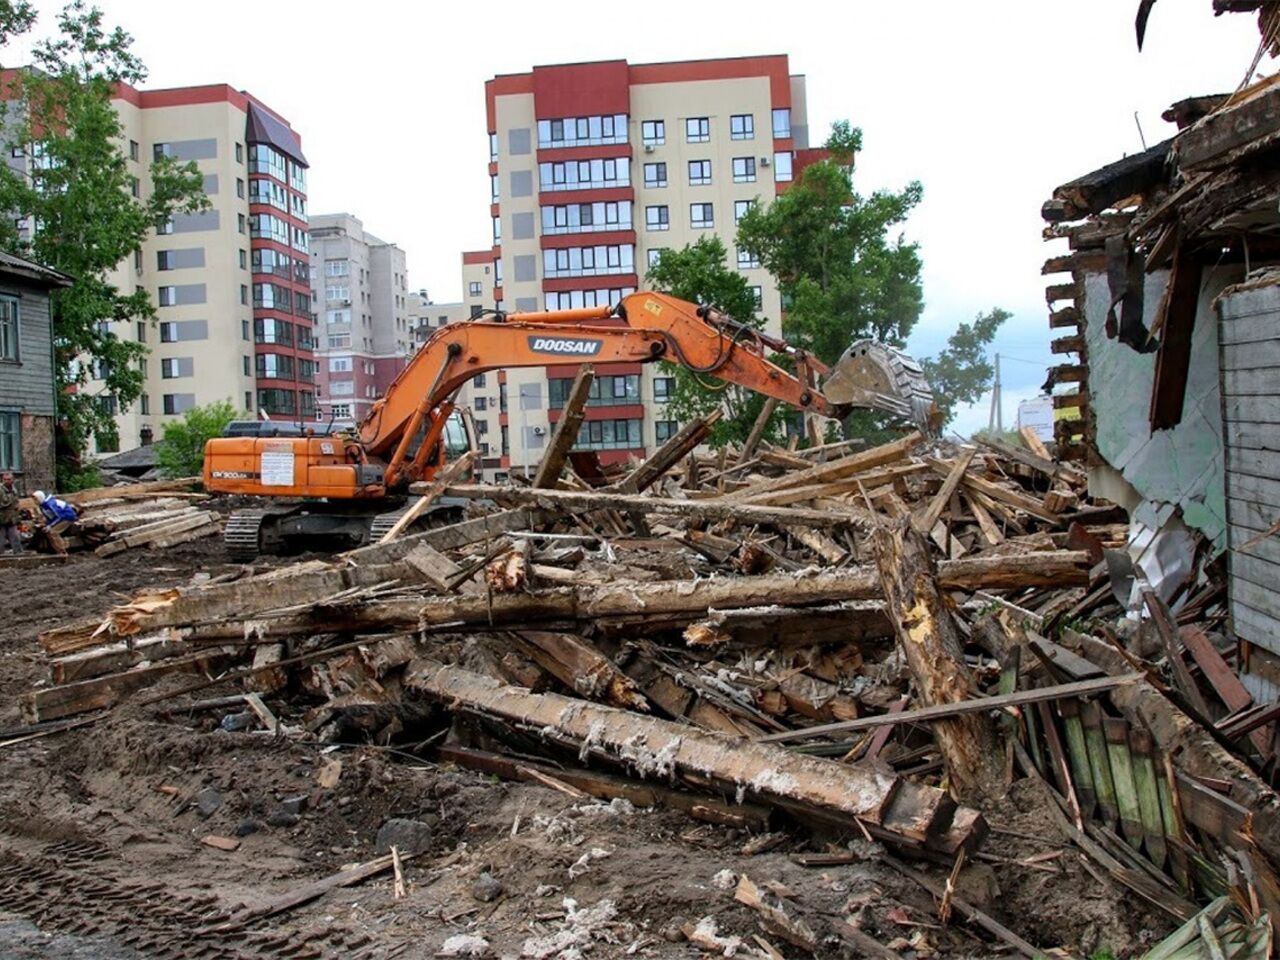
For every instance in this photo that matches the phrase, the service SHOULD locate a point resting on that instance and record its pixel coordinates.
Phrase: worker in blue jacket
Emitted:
(58, 514)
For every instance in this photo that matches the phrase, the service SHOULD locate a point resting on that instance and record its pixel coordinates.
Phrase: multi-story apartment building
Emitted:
(363, 311)
(231, 284)
(595, 170)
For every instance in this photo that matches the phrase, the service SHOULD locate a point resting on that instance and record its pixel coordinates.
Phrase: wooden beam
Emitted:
(1073, 690)
(924, 521)
(663, 748)
(428, 496)
(757, 430)
(566, 432)
(669, 454)
(934, 652)
(1175, 327)
(835, 469)
(1048, 568)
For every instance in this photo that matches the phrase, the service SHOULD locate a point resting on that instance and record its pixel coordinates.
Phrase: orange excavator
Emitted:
(344, 485)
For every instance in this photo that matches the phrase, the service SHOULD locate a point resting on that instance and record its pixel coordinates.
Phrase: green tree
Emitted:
(699, 273)
(84, 219)
(180, 452)
(961, 372)
(842, 275)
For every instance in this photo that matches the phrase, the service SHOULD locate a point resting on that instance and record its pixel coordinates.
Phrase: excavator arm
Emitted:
(643, 328)
(401, 438)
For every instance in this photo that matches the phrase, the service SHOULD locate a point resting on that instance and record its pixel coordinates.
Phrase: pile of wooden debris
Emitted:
(869, 642)
(157, 514)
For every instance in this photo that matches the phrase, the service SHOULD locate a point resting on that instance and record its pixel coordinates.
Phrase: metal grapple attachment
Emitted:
(874, 376)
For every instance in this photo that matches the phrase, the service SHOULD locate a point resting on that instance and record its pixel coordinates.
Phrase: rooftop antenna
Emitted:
(1140, 134)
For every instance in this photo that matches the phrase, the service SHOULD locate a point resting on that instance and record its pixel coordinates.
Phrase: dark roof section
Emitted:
(29, 270)
(262, 127)
(137, 458)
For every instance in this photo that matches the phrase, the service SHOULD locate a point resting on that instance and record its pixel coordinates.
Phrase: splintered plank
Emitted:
(663, 748)
(566, 432)
(835, 469)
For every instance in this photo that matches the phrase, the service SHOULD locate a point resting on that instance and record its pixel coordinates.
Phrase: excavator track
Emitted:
(383, 522)
(242, 535)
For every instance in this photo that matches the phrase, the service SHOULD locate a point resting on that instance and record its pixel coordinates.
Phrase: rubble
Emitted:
(861, 651)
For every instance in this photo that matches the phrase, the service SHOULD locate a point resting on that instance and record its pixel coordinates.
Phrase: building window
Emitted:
(589, 261)
(135, 188)
(142, 331)
(740, 208)
(497, 273)
(742, 126)
(586, 217)
(653, 132)
(10, 327)
(757, 294)
(164, 228)
(584, 174)
(478, 380)
(497, 230)
(244, 294)
(697, 130)
(337, 293)
(655, 254)
(144, 404)
(240, 223)
(10, 440)
(482, 428)
(605, 391)
(701, 216)
(610, 435)
(657, 218)
(747, 260)
(244, 329)
(248, 366)
(265, 159)
(244, 259)
(239, 153)
(340, 365)
(655, 174)
(583, 131)
(782, 167)
(473, 288)
(664, 430)
(274, 366)
(744, 169)
(339, 341)
(133, 149)
(240, 188)
(173, 367)
(164, 259)
(159, 150)
(337, 268)
(782, 123)
(167, 296)
(269, 330)
(699, 173)
(493, 148)
(664, 389)
(493, 187)
(574, 299)
(481, 404)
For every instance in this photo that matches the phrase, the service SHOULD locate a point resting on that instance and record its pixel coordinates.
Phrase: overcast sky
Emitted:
(989, 103)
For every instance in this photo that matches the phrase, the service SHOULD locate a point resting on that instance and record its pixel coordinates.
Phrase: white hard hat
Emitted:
(39, 496)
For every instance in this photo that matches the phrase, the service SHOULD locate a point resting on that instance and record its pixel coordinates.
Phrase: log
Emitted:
(174, 539)
(428, 496)
(663, 748)
(128, 490)
(757, 430)
(580, 667)
(1049, 568)
(565, 434)
(835, 469)
(670, 601)
(935, 656)
(306, 582)
(925, 521)
(720, 508)
(669, 454)
(106, 691)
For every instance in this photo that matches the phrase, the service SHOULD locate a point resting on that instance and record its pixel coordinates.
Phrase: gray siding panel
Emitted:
(525, 268)
(211, 183)
(27, 385)
(194, 149)
(522, 226)
(522, 183)
(1249, 321)
(195, 222)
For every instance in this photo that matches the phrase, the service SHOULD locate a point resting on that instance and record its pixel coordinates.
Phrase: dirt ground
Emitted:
(101, 853)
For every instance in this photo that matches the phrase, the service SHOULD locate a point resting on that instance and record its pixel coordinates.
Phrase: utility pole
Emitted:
(996, 420)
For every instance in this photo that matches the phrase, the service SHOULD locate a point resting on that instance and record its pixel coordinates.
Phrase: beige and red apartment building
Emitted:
(231, 284)
(595, 170)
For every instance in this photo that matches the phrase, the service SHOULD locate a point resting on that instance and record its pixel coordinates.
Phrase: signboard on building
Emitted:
(1037, 413)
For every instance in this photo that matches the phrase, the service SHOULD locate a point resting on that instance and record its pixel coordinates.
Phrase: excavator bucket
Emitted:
(874, 376)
